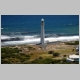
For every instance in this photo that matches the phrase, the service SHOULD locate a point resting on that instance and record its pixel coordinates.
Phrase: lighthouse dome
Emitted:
(42, 19)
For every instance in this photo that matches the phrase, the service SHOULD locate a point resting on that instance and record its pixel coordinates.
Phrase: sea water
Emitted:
(28, 27)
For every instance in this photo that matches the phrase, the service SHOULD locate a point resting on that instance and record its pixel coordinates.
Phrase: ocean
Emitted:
(28, 28)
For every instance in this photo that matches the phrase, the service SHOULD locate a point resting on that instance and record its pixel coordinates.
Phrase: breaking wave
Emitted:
(35, 39)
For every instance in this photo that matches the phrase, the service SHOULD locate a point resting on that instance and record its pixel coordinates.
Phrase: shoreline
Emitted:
(51, 42)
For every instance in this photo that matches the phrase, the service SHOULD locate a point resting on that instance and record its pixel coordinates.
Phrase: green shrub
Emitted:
(30, 48)
(9, 50)
(64, 55)
(50, 52)
(63, 60)
(31, 54)
(40, 57)
(5, 62)
(56, 54)
(77, 53)
(20, 50)
(27, 55)
(70, 43)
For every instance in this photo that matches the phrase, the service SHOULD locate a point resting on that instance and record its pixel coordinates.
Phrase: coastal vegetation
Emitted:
(33, 55)
(72, 43)
(51, 61)
(12, 56)
(55, 54)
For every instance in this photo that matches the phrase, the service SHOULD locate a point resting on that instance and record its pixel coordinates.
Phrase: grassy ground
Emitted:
(27, 53)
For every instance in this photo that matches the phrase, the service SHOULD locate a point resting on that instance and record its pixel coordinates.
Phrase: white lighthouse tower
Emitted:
(42, 31)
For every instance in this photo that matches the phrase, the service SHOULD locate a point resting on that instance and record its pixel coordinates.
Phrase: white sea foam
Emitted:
(34, 40)
(29, 37)
(64, 38)
(4, 37)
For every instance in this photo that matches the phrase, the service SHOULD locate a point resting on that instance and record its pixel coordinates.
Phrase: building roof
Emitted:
(73, 56)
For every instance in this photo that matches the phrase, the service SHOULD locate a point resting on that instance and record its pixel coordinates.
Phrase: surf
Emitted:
(36, 40)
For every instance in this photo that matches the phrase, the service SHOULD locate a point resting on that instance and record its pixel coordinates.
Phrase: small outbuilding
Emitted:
(72, 58)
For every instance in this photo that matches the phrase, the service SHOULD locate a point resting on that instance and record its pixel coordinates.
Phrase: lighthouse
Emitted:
(42, 31)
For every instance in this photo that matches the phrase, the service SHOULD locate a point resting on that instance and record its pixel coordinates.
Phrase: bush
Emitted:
(31, 48)
(31, 54)
(64, 60)
(77, 53)
(20, 50)
(50, 52)
(75, 43)
(27, 55)
(64, 55)
(40, 57)
(5, 62)
(9, 50)
(7, 53)
(56, 54)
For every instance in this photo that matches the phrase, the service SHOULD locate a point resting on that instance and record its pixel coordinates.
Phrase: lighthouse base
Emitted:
(43, 46)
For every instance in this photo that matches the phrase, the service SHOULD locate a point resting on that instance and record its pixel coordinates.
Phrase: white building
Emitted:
(72, 58)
